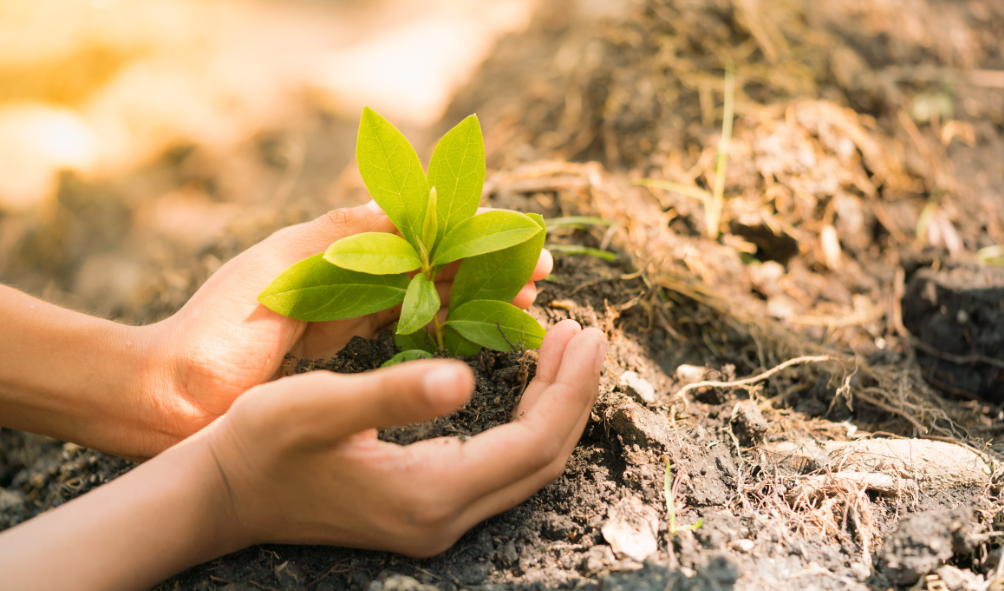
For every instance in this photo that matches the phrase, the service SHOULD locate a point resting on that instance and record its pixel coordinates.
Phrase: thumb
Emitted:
(331, 406)
(298, 242)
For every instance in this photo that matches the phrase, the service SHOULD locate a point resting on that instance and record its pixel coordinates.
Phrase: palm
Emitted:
(223, 342)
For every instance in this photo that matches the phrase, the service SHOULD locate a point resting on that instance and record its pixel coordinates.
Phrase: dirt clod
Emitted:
(637, 425)
(924, 541)
(748, 423)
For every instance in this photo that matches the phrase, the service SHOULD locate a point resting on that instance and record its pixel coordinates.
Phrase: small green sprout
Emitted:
(436, 214)
(670, 509)
(714, 203)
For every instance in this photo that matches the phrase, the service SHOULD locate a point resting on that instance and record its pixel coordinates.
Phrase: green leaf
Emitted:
(314, 290)
(457, 170)
(420, 304)
(498, 275)
(431, 223)
(392, 173)
(376, 253)
(403, 356)
(416, 340)
(458, 345)
(484, 322)
(483, 233)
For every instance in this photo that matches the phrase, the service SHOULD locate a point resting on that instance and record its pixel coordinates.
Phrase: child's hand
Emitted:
(224, 342)
(302, 463)
(297, 460)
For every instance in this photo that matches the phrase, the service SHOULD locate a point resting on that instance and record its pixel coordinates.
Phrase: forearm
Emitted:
(76, 377)
(162, 517)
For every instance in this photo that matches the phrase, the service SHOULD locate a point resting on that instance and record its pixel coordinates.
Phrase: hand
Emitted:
(297, 460)
(303, 464)
(223, 341)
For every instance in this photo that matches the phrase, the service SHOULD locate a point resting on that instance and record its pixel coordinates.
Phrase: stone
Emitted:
(637, 387)
(960, 580)
(639, 426)
(632, 528)
(691, 374)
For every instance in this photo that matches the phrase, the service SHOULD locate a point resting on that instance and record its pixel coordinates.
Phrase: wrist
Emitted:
(165, 515)
(72, 376)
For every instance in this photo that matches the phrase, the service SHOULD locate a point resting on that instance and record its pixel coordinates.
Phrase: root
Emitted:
(755, 379)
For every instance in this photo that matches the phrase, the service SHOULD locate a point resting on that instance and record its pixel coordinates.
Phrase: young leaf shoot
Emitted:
(439, 224)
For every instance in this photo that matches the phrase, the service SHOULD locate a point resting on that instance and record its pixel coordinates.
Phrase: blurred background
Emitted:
(136, 135)
(145, 142)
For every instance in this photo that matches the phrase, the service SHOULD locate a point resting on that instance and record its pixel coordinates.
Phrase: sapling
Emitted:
(437, 216)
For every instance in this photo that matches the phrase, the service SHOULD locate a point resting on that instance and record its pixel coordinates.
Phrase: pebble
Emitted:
(637, 387)
(691, 374)
(632, 528)
(743, 545)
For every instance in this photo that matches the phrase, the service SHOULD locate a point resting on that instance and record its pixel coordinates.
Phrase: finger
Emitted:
(545, 264)
(526, 296)
(509, 453)
(296, 243)
(515, 493)
(548, 362)
(329, 406)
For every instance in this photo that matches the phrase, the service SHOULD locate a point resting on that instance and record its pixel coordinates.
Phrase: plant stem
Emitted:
(439, 332)
(713, 210)
(430, 274)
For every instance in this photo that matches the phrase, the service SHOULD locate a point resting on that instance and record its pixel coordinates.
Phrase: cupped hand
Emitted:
(223, 342)
(302, 463)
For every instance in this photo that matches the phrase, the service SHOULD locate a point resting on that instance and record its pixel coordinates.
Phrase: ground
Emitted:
(860, 206)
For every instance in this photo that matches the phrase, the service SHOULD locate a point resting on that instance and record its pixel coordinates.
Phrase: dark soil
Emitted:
(827, 142)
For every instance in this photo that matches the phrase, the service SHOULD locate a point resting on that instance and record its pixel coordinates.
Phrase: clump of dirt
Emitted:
(924, 541)
(957, 317)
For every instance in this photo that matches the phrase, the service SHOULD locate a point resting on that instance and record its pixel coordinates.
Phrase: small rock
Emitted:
(398, 582)
(748, 424)
(743, 545)
(637, 387)
(960, 580)
(639, 426)
(691, 374)
(632, 528)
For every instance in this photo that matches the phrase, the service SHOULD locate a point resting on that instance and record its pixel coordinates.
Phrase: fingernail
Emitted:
(373, 207)
(441, 384)
(601, 354)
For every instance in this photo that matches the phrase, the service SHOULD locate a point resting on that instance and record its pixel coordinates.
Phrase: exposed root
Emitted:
(754, 379)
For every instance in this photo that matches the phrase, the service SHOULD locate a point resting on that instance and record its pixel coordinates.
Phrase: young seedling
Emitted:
(670, 491)
(436, 214)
